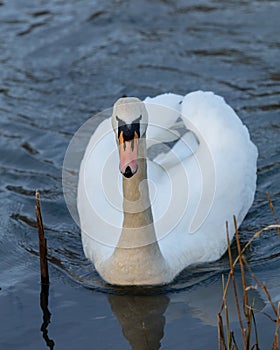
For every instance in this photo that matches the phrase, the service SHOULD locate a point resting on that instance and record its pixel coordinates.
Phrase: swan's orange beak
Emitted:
(128, 155)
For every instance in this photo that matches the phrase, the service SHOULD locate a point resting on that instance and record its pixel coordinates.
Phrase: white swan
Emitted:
(143, 221)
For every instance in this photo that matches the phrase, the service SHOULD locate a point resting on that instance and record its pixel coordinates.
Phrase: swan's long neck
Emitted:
(137, 259)
(138, 229)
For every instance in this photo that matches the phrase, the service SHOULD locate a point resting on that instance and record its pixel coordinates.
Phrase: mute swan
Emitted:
(144, 220)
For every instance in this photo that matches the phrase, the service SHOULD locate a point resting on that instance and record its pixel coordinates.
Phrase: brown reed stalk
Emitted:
(245, 331)
(262, 286)
(248, 310)
(227, 342)
(275, 345)
(256, 235)
(221, 335)
(234, 283)
(273, 211)
(42, 242)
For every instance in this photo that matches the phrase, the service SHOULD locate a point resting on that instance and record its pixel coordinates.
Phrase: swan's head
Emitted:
(129, 121)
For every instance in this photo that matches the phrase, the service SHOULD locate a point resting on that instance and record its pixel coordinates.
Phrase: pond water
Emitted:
(61, 62)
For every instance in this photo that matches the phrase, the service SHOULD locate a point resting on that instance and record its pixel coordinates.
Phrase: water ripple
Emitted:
(60, 63)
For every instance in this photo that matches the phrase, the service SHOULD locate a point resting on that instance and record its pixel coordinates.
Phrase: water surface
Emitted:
(63, 61)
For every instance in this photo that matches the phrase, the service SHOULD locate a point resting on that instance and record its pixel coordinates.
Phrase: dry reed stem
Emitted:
(255, 327)
(221, 335)
(234, 283)
(245, 295)
(42, 242)
(256, 235)
(273, 211)
(262, 286)
(275, 345)
(248, 310)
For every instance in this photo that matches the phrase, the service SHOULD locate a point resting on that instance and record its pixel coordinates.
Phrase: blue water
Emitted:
(61, 62)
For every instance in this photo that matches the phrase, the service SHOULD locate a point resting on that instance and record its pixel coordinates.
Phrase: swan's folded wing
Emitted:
(164, 111)
(185, 147)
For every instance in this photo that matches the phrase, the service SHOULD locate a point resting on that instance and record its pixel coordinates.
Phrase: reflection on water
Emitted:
(44, 302)
(141, 318)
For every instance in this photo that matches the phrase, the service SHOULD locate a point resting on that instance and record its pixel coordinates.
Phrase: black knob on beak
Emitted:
(128, 173)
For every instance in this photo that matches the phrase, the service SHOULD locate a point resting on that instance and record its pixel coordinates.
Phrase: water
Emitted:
(62, 61)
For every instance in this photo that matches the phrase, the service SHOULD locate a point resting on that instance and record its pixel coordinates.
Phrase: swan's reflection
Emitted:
(142, 319)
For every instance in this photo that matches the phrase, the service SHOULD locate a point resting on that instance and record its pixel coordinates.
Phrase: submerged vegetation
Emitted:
(245, 308)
